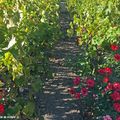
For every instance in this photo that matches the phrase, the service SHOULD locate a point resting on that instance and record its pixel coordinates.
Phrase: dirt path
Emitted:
(56, 101)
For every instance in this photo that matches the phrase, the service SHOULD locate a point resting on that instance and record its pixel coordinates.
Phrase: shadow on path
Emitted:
(55, 102)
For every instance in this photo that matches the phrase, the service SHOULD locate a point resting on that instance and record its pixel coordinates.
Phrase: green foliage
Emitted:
(95, 19)
(96, 24)
(28, 29)
(12, 65)
(29, 109)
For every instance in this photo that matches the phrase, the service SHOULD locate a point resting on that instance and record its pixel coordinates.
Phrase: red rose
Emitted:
(115, 96)
(117, 57)
(116, 106)
(90, 83)
(114, 47)
(118, 117)
(101, 71)
(84, 91)
(72, 90)
(76, 81)
(106, 79)
(116, 86)
(108, 70)
(77, 95)
(2, 109)
(109, 87)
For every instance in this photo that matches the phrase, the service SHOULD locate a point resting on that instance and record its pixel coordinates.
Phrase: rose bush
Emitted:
(100, 93)
(96, 26)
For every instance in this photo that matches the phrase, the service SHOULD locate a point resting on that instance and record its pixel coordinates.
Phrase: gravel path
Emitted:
(55, 101)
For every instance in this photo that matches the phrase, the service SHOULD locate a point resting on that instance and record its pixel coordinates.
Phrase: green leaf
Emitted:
(1, 84)
(29, 109)
(17, 107)
(37, 85)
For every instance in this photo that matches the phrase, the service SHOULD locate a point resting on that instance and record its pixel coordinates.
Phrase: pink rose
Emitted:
(107, 117)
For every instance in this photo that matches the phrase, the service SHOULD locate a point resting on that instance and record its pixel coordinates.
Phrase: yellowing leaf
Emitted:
(1, 83)
(1, 1)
